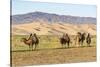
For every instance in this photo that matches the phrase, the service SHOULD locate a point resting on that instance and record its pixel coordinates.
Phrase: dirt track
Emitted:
(54, 56)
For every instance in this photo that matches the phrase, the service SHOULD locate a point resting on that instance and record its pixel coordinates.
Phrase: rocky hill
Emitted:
(50, 18)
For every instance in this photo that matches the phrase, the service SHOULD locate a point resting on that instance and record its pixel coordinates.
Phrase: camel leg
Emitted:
(88, 44)
(68, 44)
(29, 47)
(32, 47)
(82, 43)
(35, 46)
(65, 45)
(79, 44)
(76, 43)
(62, 45)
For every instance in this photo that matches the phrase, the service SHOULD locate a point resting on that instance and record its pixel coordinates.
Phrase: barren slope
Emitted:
(43, 28)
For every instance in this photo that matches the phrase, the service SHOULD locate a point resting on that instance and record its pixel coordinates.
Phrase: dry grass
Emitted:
(54, 56)
(49, 51)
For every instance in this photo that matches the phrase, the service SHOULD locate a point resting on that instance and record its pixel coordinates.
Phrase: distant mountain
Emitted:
(50, 18)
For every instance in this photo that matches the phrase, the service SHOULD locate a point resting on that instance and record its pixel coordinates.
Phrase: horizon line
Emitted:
(52, 13)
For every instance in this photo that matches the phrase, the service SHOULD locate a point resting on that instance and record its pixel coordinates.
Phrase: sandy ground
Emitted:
(54, 56)
(55, 28)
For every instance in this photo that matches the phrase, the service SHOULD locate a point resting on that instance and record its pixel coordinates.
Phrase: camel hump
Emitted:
(34, 37)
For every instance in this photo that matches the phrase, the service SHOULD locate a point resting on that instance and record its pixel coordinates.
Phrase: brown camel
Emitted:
(65, 39)
(80, 38)
(32, 40)
(88, 39)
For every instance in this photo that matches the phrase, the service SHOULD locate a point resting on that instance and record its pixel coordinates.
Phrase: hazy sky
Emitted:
(22, 6)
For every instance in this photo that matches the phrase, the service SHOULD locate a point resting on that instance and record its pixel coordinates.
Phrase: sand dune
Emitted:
(43, 28)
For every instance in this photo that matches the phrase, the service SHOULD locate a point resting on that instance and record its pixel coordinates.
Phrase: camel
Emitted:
(88, 39)
(32, 40)
(65, 39)
(80, 37)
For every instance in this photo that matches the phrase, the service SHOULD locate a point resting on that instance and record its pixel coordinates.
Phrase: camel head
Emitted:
(79, 33)
(88, 34)
(84, 33)
(66, 34)
(34, 34)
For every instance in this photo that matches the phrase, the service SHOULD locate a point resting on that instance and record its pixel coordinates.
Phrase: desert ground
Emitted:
(45, 28)
(50, 51)
(54, 56)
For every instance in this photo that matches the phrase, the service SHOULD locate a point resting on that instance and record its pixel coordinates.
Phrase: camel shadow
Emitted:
(49, 49)
(37, 49)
